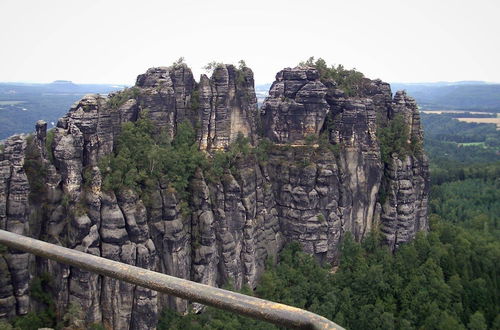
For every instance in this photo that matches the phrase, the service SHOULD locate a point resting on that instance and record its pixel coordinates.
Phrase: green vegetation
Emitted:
(210, 67)
(49, 141)
(117, 99)
(486, 171)
(394, 137)
(142, 159)
(46, 317)
(227, 160)
(459, 150)
(179, 62)
(474, 203)
(350, 81)
(35, 170)
(444, 280)
(444, 127)
(195, 100)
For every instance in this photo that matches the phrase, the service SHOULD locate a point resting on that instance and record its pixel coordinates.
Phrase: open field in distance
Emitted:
(482, 121)
(438, 112)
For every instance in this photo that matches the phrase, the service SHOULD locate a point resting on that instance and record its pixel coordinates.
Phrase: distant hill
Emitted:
(22, 104)
(462, 95)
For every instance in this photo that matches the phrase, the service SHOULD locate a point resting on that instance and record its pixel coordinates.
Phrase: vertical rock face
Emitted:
(228, 107)
(222, 106)
(296, 106)
(407, 181)
(322, 178)
(14, 217)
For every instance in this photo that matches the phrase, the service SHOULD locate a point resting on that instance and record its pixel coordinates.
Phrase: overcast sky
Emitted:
(114, 41)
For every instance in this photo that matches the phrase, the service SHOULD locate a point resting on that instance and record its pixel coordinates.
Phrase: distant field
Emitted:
(11, 102)
(438, 112)
(473, 144)
(482, 121)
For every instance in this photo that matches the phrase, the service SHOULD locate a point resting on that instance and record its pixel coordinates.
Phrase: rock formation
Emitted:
(322, 177)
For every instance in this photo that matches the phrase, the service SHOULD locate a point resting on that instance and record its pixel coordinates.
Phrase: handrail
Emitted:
(256, 308)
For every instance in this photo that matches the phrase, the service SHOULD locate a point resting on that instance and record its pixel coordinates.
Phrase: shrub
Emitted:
(393, 138)
(35, 169)
(117, 99)
(350, 81)
(142, 159)
(49, 141)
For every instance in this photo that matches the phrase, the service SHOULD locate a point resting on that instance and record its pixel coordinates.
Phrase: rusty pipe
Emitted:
(256, 308)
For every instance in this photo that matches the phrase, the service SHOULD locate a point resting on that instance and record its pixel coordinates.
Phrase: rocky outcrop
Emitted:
(322, 177)
(296, 106)
(14, 217)
(222, 106)
(406, 180)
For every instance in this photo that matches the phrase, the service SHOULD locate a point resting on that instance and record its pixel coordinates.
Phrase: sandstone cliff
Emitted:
(323, 176)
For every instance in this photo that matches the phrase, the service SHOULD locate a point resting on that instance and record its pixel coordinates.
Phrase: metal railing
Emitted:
(256, 308)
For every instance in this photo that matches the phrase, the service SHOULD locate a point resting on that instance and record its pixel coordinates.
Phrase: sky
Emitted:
(98, 41)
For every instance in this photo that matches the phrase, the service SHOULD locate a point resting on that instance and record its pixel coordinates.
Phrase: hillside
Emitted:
(467, 95)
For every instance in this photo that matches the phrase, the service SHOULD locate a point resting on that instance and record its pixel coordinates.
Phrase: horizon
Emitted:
(256, 83)
(113, 41)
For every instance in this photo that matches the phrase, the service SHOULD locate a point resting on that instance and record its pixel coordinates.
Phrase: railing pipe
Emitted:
(256, 308)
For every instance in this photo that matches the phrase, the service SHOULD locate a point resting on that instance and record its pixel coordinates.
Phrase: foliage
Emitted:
(46, 317)
(73, 318)
(242, 65)
(444, 127)
(350, 81)
(240, 77)
(5, 326)
(227, 160)
(393, 138)
(263, 149)
(454, 146)
(142, 159)
(453, 172)
(210, 67)
(117, 99)
(195, 100)
(179, 62)
(35, 169)
(49, 141)
(439, 281)
(473, 203)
